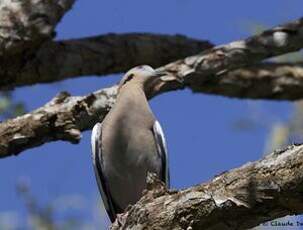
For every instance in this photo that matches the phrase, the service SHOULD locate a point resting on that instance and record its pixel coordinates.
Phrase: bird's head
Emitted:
(139, 75)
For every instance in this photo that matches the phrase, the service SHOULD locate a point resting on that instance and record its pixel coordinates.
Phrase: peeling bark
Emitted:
(239, 199)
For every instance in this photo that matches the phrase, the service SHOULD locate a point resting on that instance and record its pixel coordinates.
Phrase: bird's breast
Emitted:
(127, 162)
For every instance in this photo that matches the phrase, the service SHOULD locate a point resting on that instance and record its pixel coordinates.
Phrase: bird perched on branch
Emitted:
(128, 144)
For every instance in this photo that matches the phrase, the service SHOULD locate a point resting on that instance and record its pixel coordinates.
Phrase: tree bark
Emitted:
(24, 25)
(65, 121)
(199, 71)
(63, 118)
(239, 199)
(100, 55)
(274, 81)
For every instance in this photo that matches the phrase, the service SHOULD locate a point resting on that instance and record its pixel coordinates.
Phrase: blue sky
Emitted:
(199, 128)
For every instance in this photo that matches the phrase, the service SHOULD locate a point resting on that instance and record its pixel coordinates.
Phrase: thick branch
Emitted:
(54, 121)
(65, 120)
(279, 81)
(98, 55)
(239, 199)
(201, 72)
(25, 24)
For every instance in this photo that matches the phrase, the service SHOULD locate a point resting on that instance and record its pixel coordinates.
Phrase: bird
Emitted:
(128, 144)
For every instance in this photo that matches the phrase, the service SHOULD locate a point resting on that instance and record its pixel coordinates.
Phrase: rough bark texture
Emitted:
(200, 73)
(278, 81)
(99, 55)
(239, 199)
(63, 118)
(54, 121)
(208, 68)
(24, 25)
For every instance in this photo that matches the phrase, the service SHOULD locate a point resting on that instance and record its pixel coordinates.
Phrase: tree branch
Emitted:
(63, 119)
(60, 119)
(24, 25)
(98, 55)
(278, 81)
(239, 199)
(210, 67)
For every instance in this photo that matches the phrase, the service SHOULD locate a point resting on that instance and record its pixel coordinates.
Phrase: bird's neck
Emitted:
(133, 93)
(133, 98)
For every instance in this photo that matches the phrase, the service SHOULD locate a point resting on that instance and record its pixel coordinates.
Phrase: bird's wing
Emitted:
(162, 150)
(96, 145)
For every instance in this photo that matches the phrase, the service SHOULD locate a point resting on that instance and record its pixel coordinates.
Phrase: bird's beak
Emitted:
(160, 73)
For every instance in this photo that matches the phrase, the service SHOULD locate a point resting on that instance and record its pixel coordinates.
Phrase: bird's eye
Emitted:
(128, 78)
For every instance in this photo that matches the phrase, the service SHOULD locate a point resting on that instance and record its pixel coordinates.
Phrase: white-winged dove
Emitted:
(128, 144)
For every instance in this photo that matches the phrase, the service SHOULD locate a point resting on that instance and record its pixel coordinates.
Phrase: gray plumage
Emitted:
(128, 144)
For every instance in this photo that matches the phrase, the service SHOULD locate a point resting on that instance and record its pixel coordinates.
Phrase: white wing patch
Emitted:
(162, 149)
(96, 134)
(97, 161)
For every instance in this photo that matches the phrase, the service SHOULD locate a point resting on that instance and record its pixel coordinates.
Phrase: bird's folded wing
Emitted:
(96, 144)
(162, 150)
